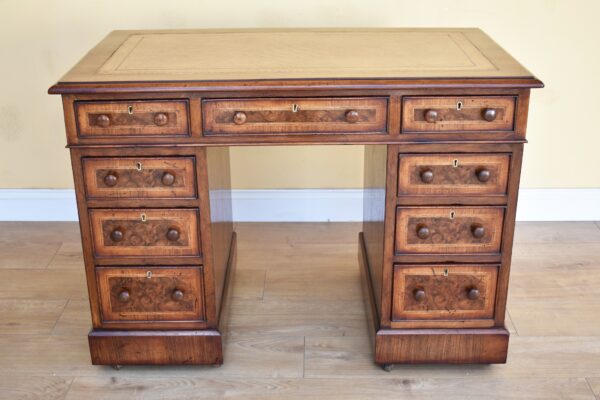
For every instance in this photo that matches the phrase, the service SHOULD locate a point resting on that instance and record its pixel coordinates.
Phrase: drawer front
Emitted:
(139, 177)
(132, 118)
(443, 292)
(295, 115)
(442, 230)
(453, 174)
(151, 294)
(452, 114)
(145, 232)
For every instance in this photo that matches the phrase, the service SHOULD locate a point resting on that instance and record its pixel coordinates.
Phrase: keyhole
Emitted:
(452, 214)
(149, 274)
(138, 166)
(143, 218)
(459, 105)
(455, 163)
(295, 107)
(445, 271)
(130, 110)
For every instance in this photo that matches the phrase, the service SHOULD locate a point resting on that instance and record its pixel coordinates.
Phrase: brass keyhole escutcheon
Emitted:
(445, 271)
(452, 214)
(295, 107)
(138, 166)
(148, 274)
(459, 105)
(129, 110)
(143, 218)
(455, 163)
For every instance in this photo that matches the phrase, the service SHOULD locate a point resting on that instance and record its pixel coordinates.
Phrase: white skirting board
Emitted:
(303, 205)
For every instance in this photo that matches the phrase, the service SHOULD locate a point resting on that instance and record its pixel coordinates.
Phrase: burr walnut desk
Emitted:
(150, 116)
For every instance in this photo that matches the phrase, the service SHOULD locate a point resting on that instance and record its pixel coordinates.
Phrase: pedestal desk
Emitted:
(150, 117)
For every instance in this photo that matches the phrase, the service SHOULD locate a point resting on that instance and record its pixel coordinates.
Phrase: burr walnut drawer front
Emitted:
(145, 232)
(453, 230)
(132, 177)
(455, 114)
(132, 118)
(450, 174)
(444, 292)
(151, 293)
(295, 115)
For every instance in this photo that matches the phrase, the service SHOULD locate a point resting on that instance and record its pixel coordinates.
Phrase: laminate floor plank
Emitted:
(42, 284)
(29, 317)
(117, 388)
(69, 255)
(34, 387)
(557, 232)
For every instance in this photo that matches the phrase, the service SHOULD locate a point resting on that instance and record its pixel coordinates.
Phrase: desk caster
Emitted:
(388, 367)
(117, 367)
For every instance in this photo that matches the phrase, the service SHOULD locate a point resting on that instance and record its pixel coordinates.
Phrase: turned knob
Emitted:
(168, 179)
(177, 295)
(431, 115)
(427, 176)
(419, 294)
(352, 116)
(483, 175)
(103, 120)
(473, 293)
(124, 296)
(172, 234)
(117, 235)
(110, 179)
(477, 231)
(239, 118)
(423, 232)
(489, 114)
(161, 119)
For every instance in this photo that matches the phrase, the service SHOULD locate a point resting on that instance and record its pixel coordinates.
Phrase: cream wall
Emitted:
(556, 39)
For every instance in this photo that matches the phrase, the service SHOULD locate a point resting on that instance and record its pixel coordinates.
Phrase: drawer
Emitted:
(453, 114)
(442, 230)
(132, 118)
(444, 292)
(145, 232)
(151, 294)
(134, 177)
(295, 115)
(453, 174)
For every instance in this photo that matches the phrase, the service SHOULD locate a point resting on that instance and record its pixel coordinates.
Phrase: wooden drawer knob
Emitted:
(103, 120)
(124, 296)
(483, 175)
(477, 230)
(423, 232)
(427, 176)
(117, 235)
(172, 234)
(168, 179)
(489, 114)
(473, 293)
(352, 116)
(161, 119)
(431, 116)
(239, 118)
(177, 295)
(419, 294)
(111, 179)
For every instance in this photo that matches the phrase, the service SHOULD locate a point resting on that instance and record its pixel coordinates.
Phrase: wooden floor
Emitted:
(297, 327)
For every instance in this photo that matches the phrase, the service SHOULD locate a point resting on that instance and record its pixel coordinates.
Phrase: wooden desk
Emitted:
(442, 114)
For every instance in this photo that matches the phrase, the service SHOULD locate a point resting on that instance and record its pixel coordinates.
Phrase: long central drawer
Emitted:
(294, 115)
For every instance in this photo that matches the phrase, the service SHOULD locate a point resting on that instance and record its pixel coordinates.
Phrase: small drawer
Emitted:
(444, 292)
(448, 230)
(151, 294)
(455, 114)
(145, 232)
(453, 174)
(132, 118)
(124, 177)
(295, 115)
